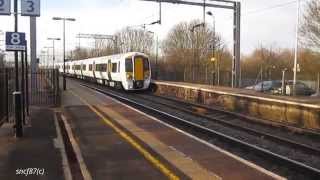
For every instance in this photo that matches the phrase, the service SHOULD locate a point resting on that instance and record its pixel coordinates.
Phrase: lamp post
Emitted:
(64, 45)
(193, 47)
(53, 52)
(217, 70)
(47, 52)
(295, 68)
(283, 86)
(42, 58)
(157, 47)
(213, 60)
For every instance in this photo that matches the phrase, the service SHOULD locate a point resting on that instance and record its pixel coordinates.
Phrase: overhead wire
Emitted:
(272, 7)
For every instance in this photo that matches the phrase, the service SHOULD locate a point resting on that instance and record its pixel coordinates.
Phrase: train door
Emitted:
(109, 70)
(138, 69)
(93, 70)
(81, 68)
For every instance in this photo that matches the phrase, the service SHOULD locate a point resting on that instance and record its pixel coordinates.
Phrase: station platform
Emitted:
(304, 100)
(38, 155)
(115, 141)
(294, 112)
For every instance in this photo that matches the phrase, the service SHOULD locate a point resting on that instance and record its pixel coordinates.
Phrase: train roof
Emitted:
(112, 56)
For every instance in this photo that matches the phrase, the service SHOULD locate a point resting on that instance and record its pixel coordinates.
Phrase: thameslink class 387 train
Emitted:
(130, 71)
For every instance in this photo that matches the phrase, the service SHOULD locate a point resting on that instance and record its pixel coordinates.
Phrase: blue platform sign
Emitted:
(15, 41)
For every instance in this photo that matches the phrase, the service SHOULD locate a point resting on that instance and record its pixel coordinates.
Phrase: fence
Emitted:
(42, 89)
(6, 90)
(45, 88)
(2, 96)
(204, 75)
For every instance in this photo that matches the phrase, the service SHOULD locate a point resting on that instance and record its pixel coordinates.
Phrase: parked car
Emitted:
(267, 86)
(301, 89)
(275, 87)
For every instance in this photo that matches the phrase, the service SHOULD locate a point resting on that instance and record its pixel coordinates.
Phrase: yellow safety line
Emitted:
(153, 160)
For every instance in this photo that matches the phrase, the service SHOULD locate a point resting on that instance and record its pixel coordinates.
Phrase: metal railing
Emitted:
(45, 88)
(42, 89)
(6, 90)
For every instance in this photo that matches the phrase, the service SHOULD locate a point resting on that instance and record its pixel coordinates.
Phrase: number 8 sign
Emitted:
(15, 41)
(30, 7)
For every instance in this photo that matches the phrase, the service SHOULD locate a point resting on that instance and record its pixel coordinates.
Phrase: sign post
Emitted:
(15, 41)
(32, 8)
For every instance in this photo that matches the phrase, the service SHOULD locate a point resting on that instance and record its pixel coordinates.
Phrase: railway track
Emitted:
(242, 144)
(228, 120)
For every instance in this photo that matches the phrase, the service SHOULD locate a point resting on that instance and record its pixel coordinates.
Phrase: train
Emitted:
(128, 71)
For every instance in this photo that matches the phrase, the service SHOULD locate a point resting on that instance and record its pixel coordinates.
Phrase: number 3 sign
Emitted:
(30, 7)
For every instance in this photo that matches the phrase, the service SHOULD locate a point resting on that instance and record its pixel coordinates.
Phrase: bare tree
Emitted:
(80, 53)
(310, 28)
(129, 40)
(187, 49)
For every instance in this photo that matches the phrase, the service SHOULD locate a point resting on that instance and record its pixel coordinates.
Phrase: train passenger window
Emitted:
(118, 66)
(104, 67)
(84, 67)
(145, 64)
(129, 65)
(114, 67)
(90, 67)
(101, 67)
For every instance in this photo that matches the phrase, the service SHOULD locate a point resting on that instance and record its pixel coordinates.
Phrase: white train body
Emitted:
(131, 71)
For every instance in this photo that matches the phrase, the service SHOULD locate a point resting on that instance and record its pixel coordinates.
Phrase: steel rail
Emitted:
(269, 136)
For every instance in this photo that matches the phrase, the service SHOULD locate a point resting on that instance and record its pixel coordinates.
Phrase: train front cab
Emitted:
(137, 72)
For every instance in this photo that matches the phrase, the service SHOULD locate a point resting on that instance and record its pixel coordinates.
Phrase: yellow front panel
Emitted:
(138, 69)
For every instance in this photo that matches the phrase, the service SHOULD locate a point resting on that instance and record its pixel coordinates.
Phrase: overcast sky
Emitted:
(266, 22)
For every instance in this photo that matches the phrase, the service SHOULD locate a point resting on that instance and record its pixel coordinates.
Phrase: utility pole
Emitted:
(53, 50)
(16, 52)
(156, 68)
(17, 94)
(295, 68)
(204, 13)
(232, 5)
(33, 52)
(193, 48)
(64, 46)
(236, 48)
(318, 84)
(214, 49)
(283, 86)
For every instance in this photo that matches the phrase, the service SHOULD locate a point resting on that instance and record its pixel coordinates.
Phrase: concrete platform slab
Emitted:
(106, 154)
(189, 155)
(293, 112)
(35, 153)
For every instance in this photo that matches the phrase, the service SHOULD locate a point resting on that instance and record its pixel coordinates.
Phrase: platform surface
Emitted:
(37, 149)
(245, 92)
(108, 155)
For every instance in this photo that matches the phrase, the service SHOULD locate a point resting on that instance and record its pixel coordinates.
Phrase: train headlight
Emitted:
(147, 75)
(129, 76)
